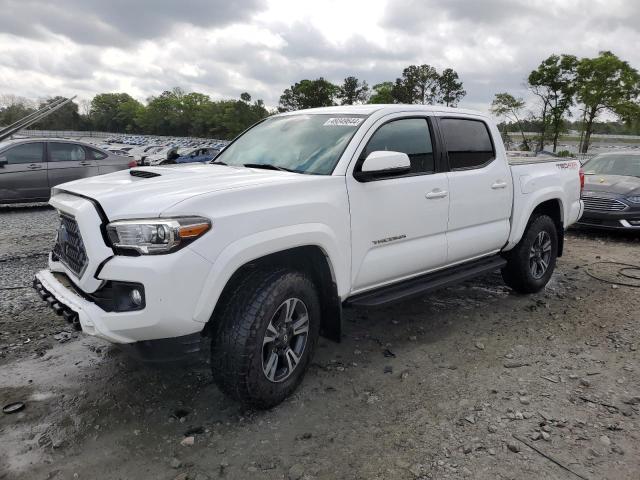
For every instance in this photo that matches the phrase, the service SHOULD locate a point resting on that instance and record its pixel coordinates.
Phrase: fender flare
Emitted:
(250, 248)
(522, 212)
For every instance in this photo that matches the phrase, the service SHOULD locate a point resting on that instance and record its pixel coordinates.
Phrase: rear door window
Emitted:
(25, 153)
(66, 152)
(468, 143)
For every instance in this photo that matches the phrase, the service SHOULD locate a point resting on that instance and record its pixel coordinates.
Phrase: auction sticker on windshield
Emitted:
(343, 122)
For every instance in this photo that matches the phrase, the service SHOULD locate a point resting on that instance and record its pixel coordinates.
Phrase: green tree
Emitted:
(192, 113)
(449, 88)
(353, 91)
(604, 83)
(507, 106)
(115, 112)
(553, 82)
(308, 94)
(382, 93)
(162, 114)
(418, 84)
(231, 117)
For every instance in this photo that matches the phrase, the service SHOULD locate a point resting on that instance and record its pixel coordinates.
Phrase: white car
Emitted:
(162, 155)
(305, 213)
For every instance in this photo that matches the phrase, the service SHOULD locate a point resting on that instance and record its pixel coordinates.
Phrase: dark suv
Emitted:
(611, 193)
(30, 167)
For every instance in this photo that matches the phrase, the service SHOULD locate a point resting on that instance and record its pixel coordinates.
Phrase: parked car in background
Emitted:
(29, 168)
(198, 155)
(170, 152)
(120, 152)
(612, 191)
(144, 151)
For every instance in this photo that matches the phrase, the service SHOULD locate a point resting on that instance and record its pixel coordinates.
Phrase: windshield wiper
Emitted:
(269, 167)
(213, 162)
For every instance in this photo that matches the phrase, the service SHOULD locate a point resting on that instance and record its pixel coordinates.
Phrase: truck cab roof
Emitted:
(383, 108)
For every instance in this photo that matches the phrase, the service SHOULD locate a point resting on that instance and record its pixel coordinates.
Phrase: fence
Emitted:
(67, 133)
(93, 134)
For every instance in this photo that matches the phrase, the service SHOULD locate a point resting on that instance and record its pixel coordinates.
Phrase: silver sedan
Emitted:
(30, 167)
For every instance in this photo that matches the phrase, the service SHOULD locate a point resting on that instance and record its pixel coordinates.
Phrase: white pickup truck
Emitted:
(303, 214)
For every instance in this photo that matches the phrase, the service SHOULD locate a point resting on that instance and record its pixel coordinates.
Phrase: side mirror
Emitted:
(3, 161)
(382, 164)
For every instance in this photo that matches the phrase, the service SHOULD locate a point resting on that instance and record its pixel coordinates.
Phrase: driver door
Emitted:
(398, 223)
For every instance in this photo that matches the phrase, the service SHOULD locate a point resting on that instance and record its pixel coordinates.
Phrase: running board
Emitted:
(425, 283)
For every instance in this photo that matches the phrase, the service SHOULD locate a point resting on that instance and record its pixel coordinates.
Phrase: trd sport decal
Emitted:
(568, 165)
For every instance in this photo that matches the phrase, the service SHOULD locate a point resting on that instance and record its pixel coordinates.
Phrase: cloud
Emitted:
(262, 46)
(118, 22)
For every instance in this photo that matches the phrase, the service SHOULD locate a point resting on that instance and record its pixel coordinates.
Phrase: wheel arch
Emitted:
(309, 258)
(553, 209)
(548, 202)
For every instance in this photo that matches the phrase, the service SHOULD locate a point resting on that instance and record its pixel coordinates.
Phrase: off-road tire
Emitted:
(236, 347)
(517, 274)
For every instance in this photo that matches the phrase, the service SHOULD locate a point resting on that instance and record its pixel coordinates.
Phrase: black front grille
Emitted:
(69, 248)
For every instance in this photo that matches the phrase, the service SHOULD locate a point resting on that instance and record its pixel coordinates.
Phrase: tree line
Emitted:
(420, 84)
(172, 113)
(595, 86)
(179, 113)
(561, 84)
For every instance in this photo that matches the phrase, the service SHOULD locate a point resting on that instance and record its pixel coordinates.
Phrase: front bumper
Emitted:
(172, 288)
(628, 220)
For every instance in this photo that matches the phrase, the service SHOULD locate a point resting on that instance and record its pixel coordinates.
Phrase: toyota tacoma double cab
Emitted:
(302, 215)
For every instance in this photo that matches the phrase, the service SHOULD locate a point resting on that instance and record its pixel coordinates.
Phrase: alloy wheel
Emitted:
(540, 255)
(285, 340)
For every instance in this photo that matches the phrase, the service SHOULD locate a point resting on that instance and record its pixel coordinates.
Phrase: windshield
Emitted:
(301, 143)
(618, 164)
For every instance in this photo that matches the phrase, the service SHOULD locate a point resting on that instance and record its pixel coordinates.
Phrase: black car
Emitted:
(611, 193)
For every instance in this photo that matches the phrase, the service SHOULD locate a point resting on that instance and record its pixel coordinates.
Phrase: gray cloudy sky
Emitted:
(223, 47)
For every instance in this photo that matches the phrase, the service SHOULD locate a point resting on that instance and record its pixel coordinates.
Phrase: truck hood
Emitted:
(620, 184)
(149, 191)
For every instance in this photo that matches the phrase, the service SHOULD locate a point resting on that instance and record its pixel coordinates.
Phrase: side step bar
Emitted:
(425, 283)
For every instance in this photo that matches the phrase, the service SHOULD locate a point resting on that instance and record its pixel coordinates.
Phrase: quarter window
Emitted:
(66, 152)
(468, 143)
(25, 153)
(408, 135)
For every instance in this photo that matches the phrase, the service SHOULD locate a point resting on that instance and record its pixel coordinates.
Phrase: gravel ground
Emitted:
(471, 382)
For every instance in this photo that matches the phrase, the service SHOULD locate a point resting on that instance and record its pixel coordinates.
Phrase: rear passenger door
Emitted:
(480, 189)
(67, 162)
(23, 173)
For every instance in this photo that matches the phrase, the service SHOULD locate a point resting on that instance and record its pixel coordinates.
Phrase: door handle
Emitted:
(436, 194)
(85, 164)
(499, 184)
(34, 166)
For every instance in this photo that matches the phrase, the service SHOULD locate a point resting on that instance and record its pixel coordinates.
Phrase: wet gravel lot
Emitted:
(471, 382)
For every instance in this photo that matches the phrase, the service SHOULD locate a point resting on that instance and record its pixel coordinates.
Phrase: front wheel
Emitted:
(531, 263)
(267, 333)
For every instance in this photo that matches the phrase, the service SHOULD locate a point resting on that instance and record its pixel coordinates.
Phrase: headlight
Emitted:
(156, 235)
(635, 199)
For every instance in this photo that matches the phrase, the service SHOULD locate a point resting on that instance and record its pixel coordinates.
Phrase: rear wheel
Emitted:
(266, 337)
(530, 264)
